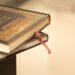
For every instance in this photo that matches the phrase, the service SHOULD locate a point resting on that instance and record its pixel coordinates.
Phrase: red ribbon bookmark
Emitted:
(42, 42)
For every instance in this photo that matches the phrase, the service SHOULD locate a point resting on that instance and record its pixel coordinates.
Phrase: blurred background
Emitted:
(55, 4)
(61, 33)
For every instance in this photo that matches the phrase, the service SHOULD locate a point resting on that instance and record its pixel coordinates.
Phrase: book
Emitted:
(32, 42)
(18, 25)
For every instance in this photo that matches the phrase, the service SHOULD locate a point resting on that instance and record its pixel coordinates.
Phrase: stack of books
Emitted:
(17, 28)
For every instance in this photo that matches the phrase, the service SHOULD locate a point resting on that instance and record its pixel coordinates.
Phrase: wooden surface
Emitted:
(8, 66)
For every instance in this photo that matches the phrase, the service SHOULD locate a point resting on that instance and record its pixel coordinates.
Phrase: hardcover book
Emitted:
(18, 25)
(32, 42)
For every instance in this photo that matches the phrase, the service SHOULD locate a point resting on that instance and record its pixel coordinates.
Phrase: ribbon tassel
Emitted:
(42, 42)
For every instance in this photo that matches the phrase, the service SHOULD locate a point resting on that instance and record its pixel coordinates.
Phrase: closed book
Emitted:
(18, 25)
(32, 42)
